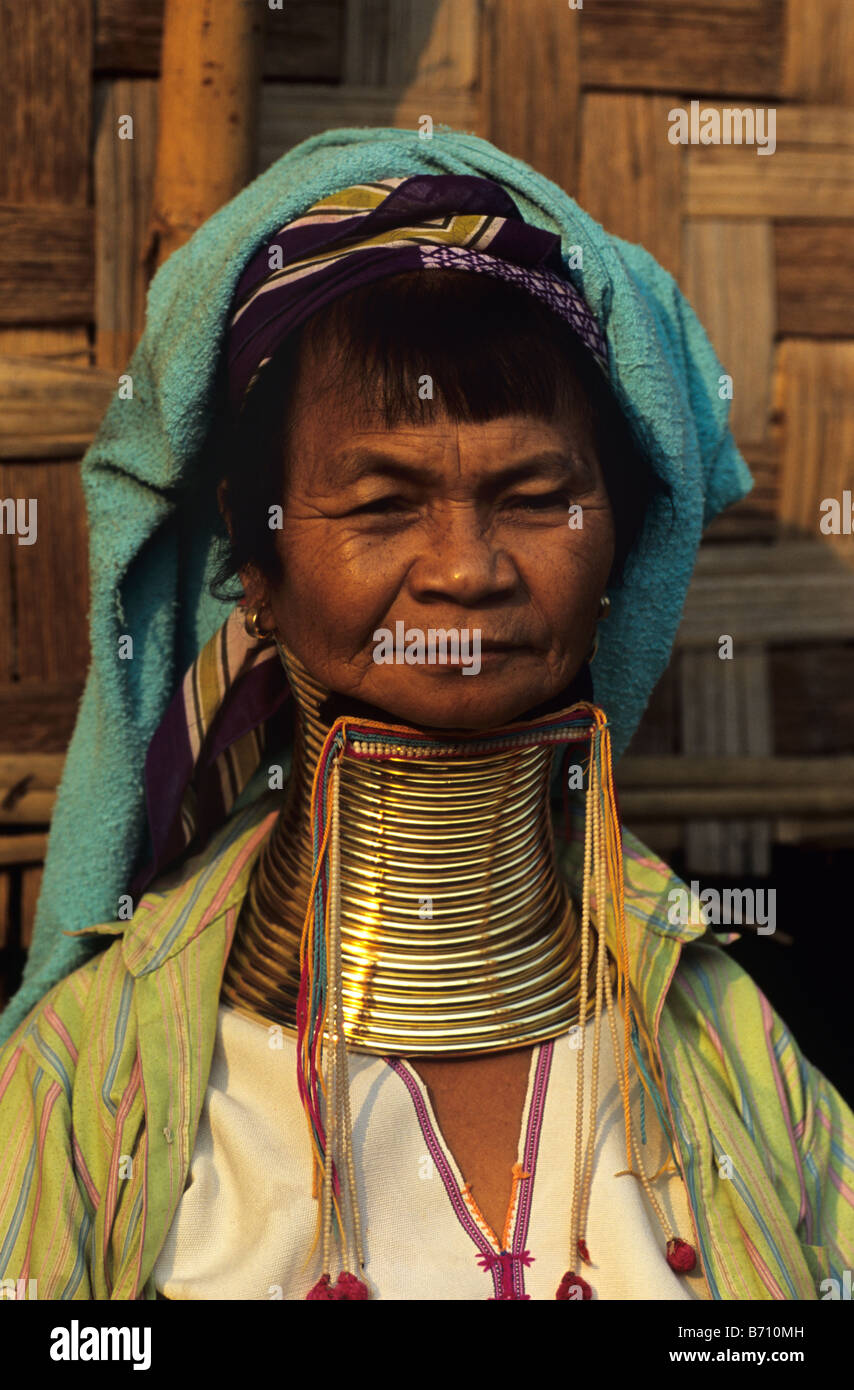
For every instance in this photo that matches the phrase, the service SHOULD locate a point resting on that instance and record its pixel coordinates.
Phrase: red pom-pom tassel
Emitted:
(572, 1281)
(349, 1287)
(346, 1289)
(322, 1289)
(681, 1256)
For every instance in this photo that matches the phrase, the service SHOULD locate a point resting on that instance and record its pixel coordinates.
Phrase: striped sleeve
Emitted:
(769, 1141)
(822, 1127)
(46, 1211)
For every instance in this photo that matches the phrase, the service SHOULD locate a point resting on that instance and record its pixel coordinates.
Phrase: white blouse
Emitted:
(246, 1221)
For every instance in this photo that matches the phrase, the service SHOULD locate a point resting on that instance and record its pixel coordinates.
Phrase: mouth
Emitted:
(486, 656)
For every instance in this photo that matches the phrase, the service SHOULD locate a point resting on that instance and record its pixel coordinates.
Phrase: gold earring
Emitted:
(250, 623)
(604, 606)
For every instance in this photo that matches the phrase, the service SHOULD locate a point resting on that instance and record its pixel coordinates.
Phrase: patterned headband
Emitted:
(426, 222)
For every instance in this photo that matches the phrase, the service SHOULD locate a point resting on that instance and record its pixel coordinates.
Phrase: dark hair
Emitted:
(501, 352)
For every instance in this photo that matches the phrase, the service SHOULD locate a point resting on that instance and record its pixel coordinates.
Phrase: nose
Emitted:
(460, 563)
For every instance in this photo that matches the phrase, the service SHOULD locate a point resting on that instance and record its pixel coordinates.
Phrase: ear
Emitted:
(257, 594)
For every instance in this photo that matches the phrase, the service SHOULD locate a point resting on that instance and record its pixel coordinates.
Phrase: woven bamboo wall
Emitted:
(733, 756)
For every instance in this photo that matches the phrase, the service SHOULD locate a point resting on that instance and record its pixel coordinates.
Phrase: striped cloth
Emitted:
(102, 1087)
(362, 233)
(228, 711)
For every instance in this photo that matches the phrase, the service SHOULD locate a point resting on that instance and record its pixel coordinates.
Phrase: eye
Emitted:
(393, 502)
(537, 501)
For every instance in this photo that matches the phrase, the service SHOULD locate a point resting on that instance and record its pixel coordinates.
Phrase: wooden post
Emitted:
(208, 116)
(530, 94)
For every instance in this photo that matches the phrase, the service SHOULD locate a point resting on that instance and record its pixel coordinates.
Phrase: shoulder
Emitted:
(746, 1071)
(753, 1077)
(737, 1027)
(92, 1008)
(719, 1033)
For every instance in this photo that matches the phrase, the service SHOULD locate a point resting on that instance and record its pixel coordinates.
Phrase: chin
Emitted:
(450, 700)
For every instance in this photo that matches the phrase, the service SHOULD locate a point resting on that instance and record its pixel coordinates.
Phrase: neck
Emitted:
(458, 934)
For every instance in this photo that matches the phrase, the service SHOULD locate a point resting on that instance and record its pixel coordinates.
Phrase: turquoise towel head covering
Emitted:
(151, 522)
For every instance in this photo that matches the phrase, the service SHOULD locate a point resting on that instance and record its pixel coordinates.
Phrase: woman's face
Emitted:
(443, 526)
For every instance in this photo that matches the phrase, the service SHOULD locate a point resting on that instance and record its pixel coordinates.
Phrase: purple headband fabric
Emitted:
(360, 234)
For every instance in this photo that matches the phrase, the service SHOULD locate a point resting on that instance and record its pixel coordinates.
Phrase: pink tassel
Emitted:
(347, 1288)
(350, 1288)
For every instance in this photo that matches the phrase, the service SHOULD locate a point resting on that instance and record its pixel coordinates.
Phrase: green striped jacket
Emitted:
(102, 1085)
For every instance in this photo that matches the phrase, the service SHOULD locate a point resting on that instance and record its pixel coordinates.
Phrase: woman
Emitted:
(348, 1042)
